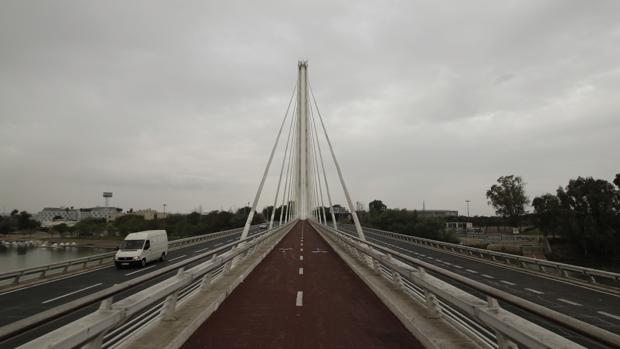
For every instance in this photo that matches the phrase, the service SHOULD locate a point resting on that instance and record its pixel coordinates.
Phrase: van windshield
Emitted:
(132, 244)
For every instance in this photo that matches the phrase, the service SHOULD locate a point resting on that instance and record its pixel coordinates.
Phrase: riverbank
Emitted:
(108, 243)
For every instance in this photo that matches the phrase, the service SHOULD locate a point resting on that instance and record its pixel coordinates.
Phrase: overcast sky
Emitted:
(179, 102)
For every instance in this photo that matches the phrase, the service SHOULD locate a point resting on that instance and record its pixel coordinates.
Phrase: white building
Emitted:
(50, 214)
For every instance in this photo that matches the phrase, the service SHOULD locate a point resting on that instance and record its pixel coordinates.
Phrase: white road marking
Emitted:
(140, 270)
(300, 299)
(488, 276)
(301, 271)
(318, 251)
(301, 258)
(458, 266)
(507, 282)
(70, 293)
(472, 271)
(610, 315)
(429, 257)
(535, 291)
(301, 250)
(175, 258)
(202, 249)
(219, 243)
(569, 302)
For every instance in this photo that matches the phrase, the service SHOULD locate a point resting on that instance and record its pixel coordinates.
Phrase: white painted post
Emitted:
(96, 342)
(170, 304)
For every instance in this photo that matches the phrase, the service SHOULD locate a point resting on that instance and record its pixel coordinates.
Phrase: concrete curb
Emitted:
(432, 333)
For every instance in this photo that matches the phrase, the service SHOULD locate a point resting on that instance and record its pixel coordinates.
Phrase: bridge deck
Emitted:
(302, 296)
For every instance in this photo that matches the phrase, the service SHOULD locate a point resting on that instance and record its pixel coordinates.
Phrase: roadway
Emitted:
(302, 295)
(24, 302)
(593, 306)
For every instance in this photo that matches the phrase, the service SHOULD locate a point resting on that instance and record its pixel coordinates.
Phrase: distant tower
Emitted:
(106, 196)
(423, 205)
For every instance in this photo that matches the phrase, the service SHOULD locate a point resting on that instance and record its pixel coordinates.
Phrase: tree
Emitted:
(508, 198)
(376, 206)
(546, 209)
(590, 215)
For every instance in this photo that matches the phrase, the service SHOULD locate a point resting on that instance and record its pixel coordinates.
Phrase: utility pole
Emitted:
(467, 201)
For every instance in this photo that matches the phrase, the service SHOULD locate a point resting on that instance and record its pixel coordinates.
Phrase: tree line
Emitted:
(585, 213)
(404, 221)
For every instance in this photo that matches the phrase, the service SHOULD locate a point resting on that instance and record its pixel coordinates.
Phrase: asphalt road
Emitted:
(28, 301)
(592, 306)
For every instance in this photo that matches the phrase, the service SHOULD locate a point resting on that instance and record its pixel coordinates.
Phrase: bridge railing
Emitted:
(115, 321)
(16, 277)
(482, 320)
(568, 271)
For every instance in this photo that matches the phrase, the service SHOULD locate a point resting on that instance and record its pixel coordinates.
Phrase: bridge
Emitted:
(308, 282)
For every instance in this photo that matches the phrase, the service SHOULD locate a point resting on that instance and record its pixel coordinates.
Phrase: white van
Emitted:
(141, 248)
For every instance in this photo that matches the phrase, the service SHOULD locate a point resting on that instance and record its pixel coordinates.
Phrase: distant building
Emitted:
(460, 227)
(148, 214)
(436, 213)
(51, 214)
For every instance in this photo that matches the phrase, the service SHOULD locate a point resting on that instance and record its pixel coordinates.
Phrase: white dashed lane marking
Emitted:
(301, 258)
(202, 249)
(569, 302)
(71, 293)
(300, 299)
(534, 291)
(507, 282)
(609, 315)
(175, 258)
(488, 276)
(301, 271)
(472, 271)
(140, 270)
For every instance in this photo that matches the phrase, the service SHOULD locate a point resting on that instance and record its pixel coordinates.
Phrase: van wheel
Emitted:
(163, 257)
(143, 263)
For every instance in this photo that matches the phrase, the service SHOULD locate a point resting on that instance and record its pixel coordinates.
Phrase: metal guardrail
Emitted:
(484, 321)
(41, 272)
(502, 237)
(563, 270)
(114, 321)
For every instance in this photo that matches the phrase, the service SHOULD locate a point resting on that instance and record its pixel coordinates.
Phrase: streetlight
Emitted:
(467, 201)
(164, 210)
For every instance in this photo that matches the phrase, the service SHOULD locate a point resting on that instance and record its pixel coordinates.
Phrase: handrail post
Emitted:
(432, 303)
(170, 304)
(96, 342)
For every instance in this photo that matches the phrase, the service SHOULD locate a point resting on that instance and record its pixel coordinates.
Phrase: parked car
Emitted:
(263, 226)
(141, 248)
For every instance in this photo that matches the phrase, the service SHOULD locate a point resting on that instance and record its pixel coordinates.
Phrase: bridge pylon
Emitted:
(304, 187)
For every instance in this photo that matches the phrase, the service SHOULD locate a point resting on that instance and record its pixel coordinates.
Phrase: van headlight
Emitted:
(136, 258)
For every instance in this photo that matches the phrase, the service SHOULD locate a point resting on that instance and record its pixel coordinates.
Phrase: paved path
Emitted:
(302, 296)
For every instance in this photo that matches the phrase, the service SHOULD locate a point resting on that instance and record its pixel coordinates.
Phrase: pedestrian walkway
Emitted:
(302, 295)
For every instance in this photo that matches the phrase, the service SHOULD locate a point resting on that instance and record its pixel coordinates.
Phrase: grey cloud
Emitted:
(180, 103)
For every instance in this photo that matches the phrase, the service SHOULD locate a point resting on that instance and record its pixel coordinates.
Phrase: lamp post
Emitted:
(467, 201)
(164, 205)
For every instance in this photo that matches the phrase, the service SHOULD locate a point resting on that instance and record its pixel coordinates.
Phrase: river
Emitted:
(13, 258)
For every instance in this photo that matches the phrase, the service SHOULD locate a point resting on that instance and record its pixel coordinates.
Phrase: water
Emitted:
(12, 258)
